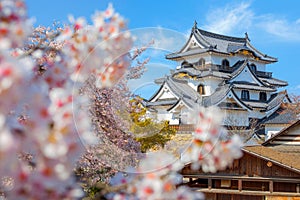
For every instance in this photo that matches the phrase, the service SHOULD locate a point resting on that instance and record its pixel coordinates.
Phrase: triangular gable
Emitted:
(192, 43)
(245, 74)
(161, 92)
(288, 136)
(232, 98)
(283, 159)
(230, 103)
(178, 104)
(195, 37)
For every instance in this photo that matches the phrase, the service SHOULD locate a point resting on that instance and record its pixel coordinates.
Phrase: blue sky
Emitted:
(272, 26)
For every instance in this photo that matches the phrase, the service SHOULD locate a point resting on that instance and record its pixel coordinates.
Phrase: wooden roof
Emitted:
(287, 156)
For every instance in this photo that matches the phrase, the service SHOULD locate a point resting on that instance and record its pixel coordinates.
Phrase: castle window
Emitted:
(225, 63)
(245, 95)
(201, 89)
(186, 64)
(200, 63)
(253, 68)
(262, 96)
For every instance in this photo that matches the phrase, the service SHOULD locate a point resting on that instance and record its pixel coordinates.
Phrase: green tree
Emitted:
(149, 132)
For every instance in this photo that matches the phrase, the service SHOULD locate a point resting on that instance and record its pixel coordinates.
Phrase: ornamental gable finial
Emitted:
(195, 25)
(247, 37)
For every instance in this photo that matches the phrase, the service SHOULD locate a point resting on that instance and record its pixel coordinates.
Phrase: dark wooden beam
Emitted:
(249, 192)
(244, 178)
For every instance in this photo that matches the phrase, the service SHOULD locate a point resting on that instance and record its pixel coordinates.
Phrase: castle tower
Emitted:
(218, 70)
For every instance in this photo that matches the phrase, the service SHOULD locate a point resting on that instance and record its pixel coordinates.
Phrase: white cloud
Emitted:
(281, 28)
(164, 39)
(230, 19)
(234, 19)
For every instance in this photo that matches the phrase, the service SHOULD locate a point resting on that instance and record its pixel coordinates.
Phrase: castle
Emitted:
(224, 71)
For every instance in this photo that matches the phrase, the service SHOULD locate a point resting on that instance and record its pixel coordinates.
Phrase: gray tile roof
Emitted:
(280, 117)
(182, 90)
(187, 53)
(218, 72)
(240, 68)
(217, 96)
(252, 87)
(256, 104)
(191, 98)
(274, 81)
(219, 43)
(159, 80)
(162, 103)
(276, 100)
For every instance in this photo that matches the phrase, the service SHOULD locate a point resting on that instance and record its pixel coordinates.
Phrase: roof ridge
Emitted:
(220, 36)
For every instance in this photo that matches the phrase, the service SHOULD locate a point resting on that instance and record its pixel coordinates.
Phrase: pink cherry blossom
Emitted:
(45, 120)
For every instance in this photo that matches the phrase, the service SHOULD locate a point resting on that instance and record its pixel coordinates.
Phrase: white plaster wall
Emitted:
(193, 84)
(210, 84)
(166, 95)
(245, 75)
(182, 112)
(273, 129)
(235, 118)
(193, 59)
(254, 95)
(185, 116)
(174, 121)
(217, 60)
(233, 59)
(259, 66)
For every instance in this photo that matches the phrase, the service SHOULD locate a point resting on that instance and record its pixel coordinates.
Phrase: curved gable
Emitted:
(231, 99)
(245, 74)
(192, 43)
(163, 92)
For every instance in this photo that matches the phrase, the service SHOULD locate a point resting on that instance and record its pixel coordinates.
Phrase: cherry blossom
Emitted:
(44, 118)
(210, 148)
(158, 183)
(14, 25)
(43, 113)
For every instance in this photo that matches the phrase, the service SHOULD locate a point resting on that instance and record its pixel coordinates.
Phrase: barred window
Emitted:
(200, 63)
(262, 96)
(225, 63)
(245, 95)
(253, 68)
